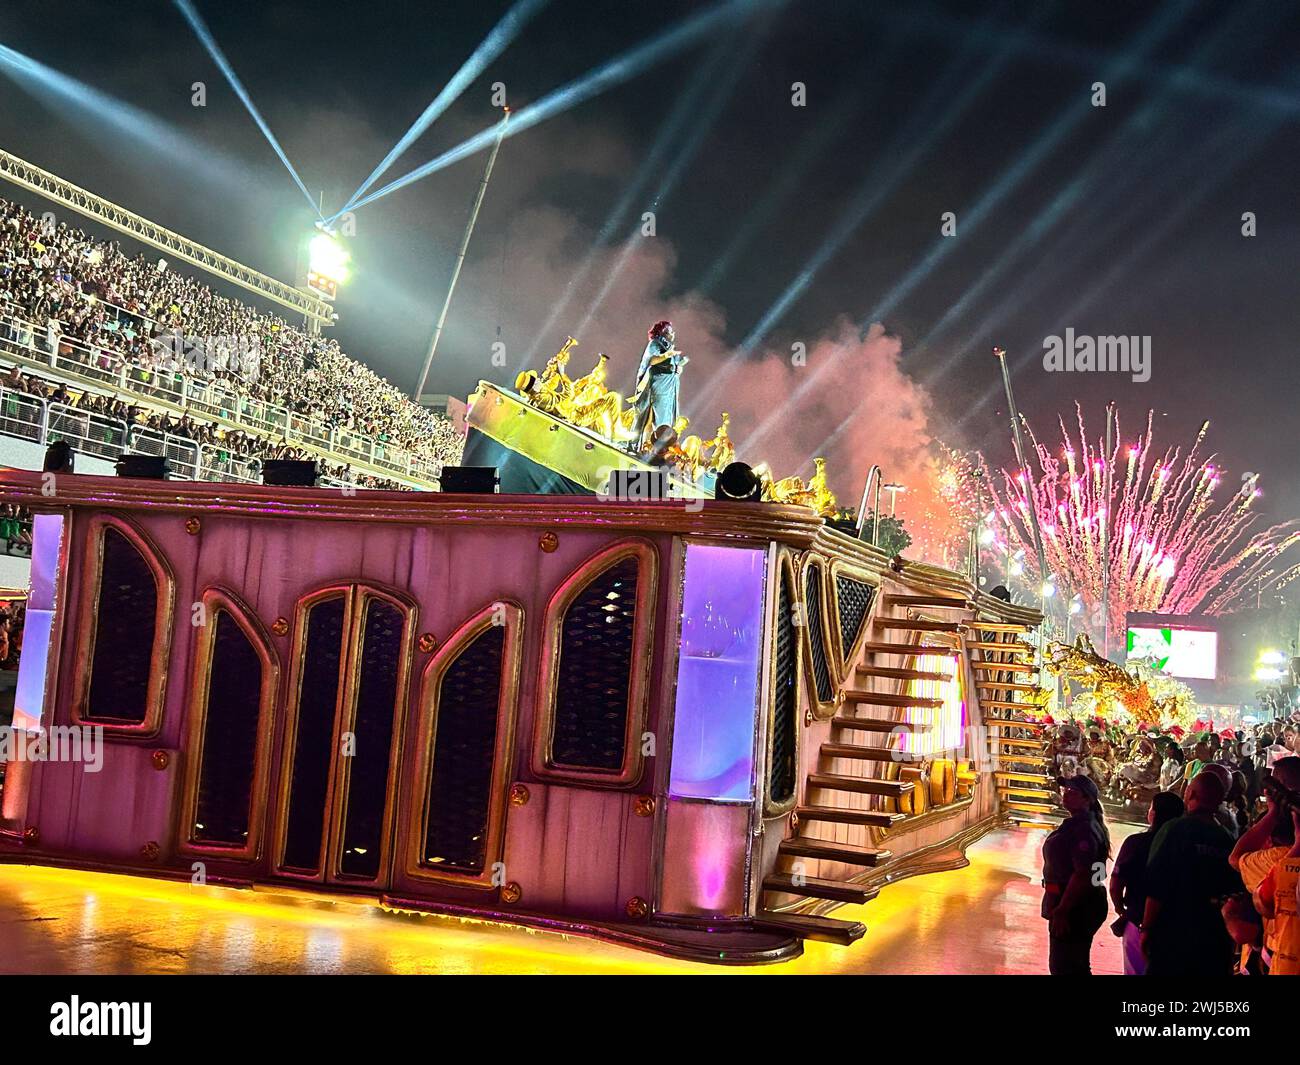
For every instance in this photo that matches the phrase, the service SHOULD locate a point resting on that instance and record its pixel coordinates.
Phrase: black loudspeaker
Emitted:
(293, 473)
(637, 485)
(738, 483)
(469, 480)
(58, 458)
(146, 467)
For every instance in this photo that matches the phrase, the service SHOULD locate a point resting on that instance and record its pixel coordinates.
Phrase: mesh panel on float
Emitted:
(318, 691)
(781, 773)
(379, 670)
(813, 608)
(595, 669)
(465, 738)
(234, 701)
(853, 600)
(125, 626)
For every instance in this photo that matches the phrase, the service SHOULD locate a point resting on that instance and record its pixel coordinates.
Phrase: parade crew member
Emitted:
(1279, 897)
(1074, 877)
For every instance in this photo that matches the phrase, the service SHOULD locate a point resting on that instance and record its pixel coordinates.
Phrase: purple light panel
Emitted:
(38, 629)
(718, 670)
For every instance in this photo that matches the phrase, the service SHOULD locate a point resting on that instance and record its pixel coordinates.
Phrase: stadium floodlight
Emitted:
(1268, 673)
(1271, 658)
(327, 264)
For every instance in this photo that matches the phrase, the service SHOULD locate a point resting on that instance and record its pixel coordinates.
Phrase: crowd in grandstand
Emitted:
(1212, 886)
(116, 310)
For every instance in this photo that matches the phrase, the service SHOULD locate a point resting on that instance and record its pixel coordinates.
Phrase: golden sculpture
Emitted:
(551, 391)
(588, 404)
(722, 452)
(595, 407)
(823, 499)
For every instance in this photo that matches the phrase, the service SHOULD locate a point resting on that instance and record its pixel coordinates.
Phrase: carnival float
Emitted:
(694, 719)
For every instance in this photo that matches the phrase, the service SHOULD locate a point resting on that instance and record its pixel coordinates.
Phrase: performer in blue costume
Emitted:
(658, 381)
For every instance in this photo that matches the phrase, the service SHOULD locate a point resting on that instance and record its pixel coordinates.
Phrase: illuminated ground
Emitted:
(981, 919)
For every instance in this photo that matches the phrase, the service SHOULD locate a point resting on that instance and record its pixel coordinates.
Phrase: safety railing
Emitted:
(103, 368)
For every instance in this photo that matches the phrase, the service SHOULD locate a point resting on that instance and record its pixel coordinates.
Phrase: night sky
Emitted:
(1124, 219)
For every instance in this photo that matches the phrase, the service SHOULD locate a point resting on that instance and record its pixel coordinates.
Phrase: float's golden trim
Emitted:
(215, 600)
(785, 570)
(511, 615)
(820, 710)
(88, 620)
(647, 586)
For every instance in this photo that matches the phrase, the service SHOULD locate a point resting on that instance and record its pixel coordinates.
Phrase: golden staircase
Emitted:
(865, 783)
(1025, 787)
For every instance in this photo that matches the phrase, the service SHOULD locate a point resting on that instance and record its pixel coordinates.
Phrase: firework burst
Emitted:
(1174, 547)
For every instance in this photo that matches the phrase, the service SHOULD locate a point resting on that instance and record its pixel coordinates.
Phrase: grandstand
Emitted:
(121, 354)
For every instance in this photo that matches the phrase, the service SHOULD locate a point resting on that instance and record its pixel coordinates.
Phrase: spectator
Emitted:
(1267, 841)
(1188, 878)
(1128, 878)
(1278, 897)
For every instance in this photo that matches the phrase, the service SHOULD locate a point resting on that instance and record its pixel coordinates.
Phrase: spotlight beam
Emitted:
(1131, 141)
(496, 42)
(613, 73)
(209, 43)
(723, 82)
(665, 141)
(936, 116)
(102, 112)
(1118, 71)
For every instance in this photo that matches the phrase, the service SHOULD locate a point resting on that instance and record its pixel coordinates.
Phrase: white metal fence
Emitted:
(73, 361)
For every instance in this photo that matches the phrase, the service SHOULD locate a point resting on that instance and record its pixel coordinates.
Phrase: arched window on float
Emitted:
(124, 630)
(468, 702)
(351, 661)
(595, 675)
(233, 686)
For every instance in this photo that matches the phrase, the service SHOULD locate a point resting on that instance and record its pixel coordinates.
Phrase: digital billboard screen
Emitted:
(1188, 653)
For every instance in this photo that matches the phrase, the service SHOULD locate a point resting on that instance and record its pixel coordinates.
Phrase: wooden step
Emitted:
(858, 695)
(1015, 647)
(804, 847)
(1003, 704)
(1004, 667)
(1034, 793)
(877, 724)
(1001, 722)
(1035, 822)
(996, 626)
(951, 602)
(840, 816)
(903, 674)
(1005, 774)
(1026, 759)
(870, 754)
(912, 625)
(815, 887)
(860, 785)
(1028, 807)
(810, 926)
(880, 647)
(1013, 741)
(1005, 686)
